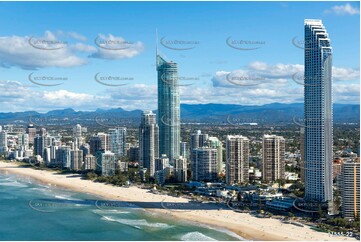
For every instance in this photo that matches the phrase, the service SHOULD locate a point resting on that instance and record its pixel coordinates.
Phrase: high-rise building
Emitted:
(53, 159)
(180, 169)
(3, 141)
(205, 164)
(118, 141)
(302, 158)
(350, 189)
(273, 158)
(23, 141)
(168, 107)
(31, 131)
(148, 142)
(133, 153)
(86, 149)
(198, 139)
(214, 142)
(42, 132)
(161, 162)
(77, 131)
(63, 156)
(90, 162)
(105, 138)
(76, 160)
(95, 144)
(39, 145)
(237, 163)
(185, 150)
(318, 112)
(106, 163)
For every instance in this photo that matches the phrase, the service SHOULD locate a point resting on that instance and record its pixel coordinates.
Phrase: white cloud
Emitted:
(53, 50)
(345, 74)
(112, 47)
(261, 74)
(346, 9)
(20, 51)
(82, 47)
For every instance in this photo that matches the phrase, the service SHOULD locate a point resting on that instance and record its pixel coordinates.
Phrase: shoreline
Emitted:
(241, 224)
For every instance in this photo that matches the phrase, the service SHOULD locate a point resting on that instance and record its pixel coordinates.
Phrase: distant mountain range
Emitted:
(204, 113)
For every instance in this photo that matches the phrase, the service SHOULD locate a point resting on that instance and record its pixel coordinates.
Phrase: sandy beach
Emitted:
(243, 224)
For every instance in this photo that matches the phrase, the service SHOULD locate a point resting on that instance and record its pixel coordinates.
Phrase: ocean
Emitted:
(30, 210)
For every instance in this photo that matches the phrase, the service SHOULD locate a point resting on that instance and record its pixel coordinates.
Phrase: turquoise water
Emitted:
(28, 213)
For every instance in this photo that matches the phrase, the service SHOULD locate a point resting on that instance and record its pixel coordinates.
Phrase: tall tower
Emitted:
(273, 158)
(350, 189)
(117, 142)
(237, 164)
(168, 107)
(318, 113)
(148, 142)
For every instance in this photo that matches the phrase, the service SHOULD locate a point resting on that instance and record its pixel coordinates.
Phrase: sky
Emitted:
(89, 55)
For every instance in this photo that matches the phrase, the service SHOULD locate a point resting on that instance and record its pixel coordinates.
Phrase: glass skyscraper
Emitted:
(168, 108)
(148, 142)
(318, 113)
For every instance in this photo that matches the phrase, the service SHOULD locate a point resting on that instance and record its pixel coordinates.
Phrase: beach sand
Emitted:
(243, 224)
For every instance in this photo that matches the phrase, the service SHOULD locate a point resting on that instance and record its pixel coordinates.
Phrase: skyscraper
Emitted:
(205, 164)
(106, 164)
(76, 160)
(237, 163)
(180, 169)
(105, 138)
(77, 131)
(39, 145)
(148, 142)
(23, 141)
(198, 140)
(168, 107)
(3, 141)
(214, 142)
(95, 144)
(273, 158)
(185, 150)
(350, 189)
(31, 131)
(318, 113)
(118, 141)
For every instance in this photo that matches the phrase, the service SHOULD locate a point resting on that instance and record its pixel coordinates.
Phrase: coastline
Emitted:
(242, 224)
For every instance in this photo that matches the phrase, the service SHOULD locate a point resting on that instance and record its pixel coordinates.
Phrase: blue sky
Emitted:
(263, 74)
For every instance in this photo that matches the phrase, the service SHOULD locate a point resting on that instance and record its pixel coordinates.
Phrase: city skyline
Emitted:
(226, 129)
(205, 60)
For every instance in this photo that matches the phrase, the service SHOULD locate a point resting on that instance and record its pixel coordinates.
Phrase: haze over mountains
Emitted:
(204, 113)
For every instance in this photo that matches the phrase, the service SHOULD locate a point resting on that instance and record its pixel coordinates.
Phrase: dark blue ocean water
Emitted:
(33, 211)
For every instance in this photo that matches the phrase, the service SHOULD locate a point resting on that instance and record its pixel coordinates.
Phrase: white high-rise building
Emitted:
(3, 141)
(318, 113)
(205, 164)
(117, 138)
(23, 141)
(106, 163)
(77, 131)
(105, 141)
(214, 142)
(237, 163)
(76, 160)
(148, 142)
(180, 169)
